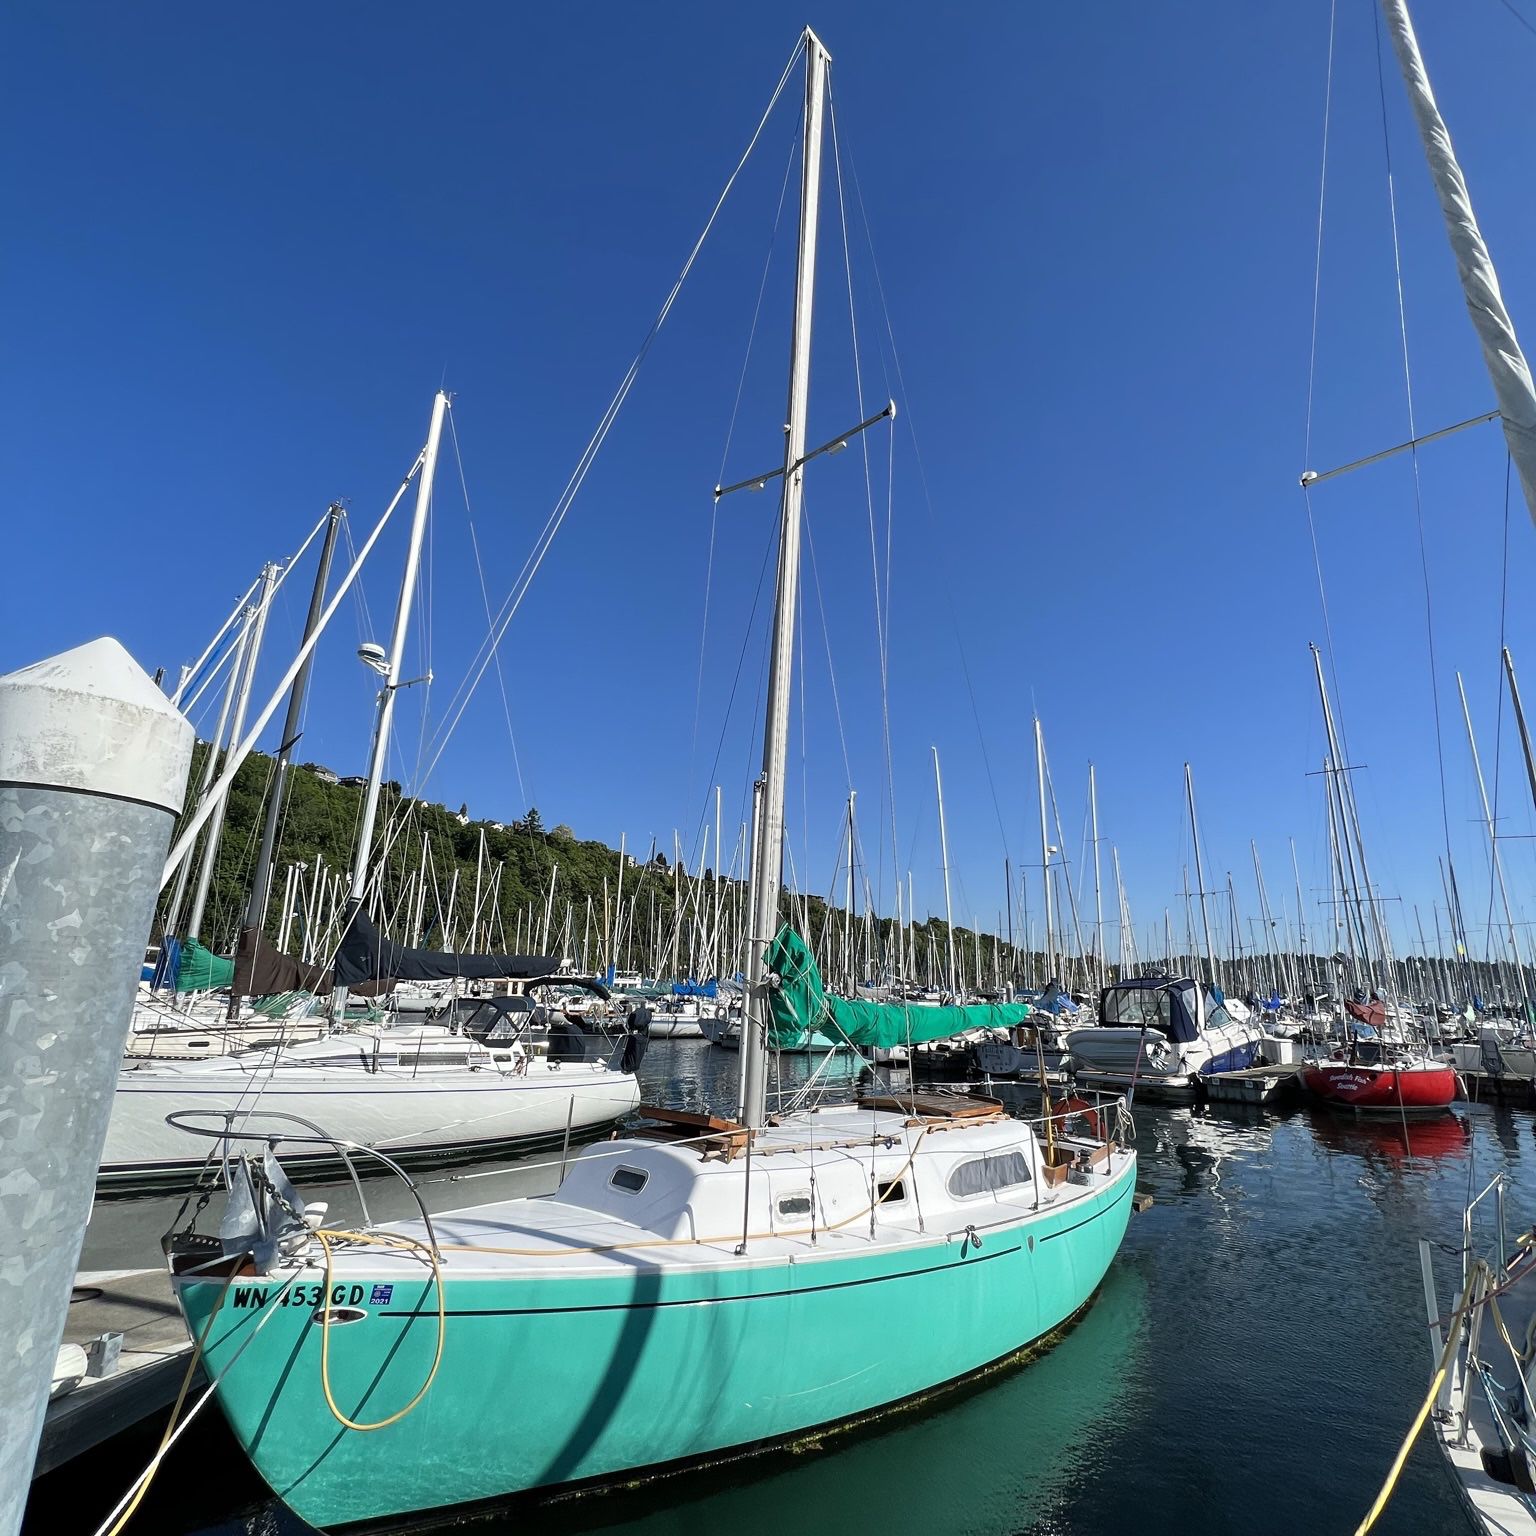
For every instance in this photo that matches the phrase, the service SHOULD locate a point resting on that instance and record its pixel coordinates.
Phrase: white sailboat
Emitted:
(415, 1091)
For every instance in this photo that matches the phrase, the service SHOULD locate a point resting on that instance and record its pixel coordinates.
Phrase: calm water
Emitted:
(1249, 1365)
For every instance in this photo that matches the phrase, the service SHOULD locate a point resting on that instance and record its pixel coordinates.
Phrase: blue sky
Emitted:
(241, 254)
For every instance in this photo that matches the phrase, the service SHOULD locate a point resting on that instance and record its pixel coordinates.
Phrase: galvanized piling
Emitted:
(93, 765)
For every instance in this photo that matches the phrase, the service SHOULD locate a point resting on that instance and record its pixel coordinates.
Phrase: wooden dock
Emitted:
(137, 1305)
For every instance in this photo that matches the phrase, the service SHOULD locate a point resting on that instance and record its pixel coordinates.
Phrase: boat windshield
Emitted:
(1136, 1007)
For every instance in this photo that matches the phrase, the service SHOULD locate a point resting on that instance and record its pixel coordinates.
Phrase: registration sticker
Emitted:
(381, 1295)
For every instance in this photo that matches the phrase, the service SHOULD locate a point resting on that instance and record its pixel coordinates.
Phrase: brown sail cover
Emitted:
(262, 969)
(1373, 1013)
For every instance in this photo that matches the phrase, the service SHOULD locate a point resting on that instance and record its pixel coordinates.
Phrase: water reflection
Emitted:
(1187, 1153)
(1396, 1140)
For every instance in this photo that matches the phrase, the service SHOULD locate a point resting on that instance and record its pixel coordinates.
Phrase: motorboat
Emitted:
(1162, 1035)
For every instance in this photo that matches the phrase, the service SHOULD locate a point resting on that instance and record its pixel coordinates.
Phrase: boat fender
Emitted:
(1512, 1468)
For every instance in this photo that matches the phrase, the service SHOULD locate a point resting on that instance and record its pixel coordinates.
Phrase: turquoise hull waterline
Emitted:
(548, 1379)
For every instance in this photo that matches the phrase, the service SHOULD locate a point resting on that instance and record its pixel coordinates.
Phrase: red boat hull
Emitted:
(1417, 1089)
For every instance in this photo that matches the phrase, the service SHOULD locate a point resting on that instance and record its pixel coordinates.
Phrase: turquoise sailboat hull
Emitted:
(546, 1381)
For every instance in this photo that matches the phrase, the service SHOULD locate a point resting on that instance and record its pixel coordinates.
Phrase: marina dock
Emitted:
(129, 1327)
(1510, 1088)
(1252, 1085)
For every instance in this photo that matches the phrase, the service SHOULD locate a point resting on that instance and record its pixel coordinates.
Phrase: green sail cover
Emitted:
(201, 970)
(800, 1006)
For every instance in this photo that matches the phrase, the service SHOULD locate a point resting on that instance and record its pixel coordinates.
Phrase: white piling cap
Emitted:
(92, 720)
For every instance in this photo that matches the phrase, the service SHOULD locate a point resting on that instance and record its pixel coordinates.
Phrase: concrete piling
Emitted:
(93, 766)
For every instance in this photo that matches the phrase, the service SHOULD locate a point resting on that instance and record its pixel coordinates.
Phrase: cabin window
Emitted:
(1136, 1007)
(795, 1205)
(890, 1192)
(432, 1059)
(991, 1174)
(630, 1180)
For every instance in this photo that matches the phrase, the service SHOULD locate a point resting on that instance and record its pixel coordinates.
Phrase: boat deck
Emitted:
(810, 1197)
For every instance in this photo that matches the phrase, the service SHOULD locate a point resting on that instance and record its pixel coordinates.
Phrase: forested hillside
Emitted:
(635, 910)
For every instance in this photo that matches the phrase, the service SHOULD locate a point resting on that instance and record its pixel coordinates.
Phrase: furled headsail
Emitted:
(1506, 363)
(801, 1006)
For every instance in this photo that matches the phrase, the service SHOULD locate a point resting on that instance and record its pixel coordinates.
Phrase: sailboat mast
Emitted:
(1264, 916)
(768, 847)
(1098, 897)
(953, 979)
(1336, 776)
(717, 965)
(1493, 841)
(1194, 834)
(261, 884)
(848, 903)
(216, 744)
(474, 915)
(1008, 898)
(261, 887)
(909, 965)
(386, 714)
(1301, 911)
(247, 678)
(1045, 856)
(1525, 735)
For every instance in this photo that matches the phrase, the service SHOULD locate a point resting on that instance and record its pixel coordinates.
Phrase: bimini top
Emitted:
(1176, 1008)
